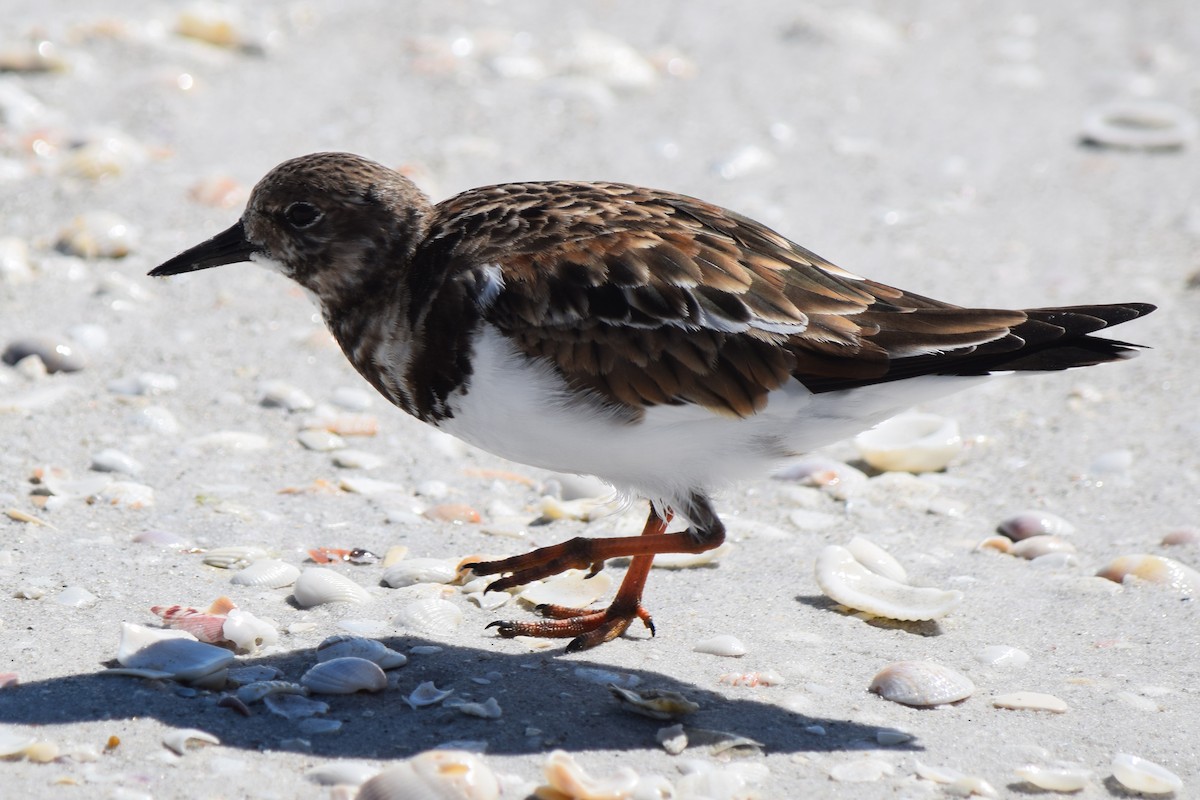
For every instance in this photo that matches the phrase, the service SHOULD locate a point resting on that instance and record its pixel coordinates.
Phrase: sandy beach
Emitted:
(937, 147)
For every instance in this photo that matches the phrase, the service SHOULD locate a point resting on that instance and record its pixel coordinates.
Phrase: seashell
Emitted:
(1154, 569)
(110, 460)
(565, 776)
(653, 703)
(1030, 701)
(607, 676)
(369, 486)
(1001, 544)
(844, 579)
(294, 706)
(56, 356)
(280, 394)
(267, 573)
(921, 683)
(371, 649)
(822, 472)
(342, 773)
(1181, 536)
(241, 676)
(1034, 523)
(1139, 125)
(236, 556)
(349, 458)
(345, 675)
(420, 570)
(313, 725)
(571, 588)
(585, 509)
(876, 559)
(889, 737)
(183, 739)
(248, 632)
(1039, 546)
(42, 752)
(320, 441)
(97, 234)
(673, 739)
(862, 770)
(488, 601)
(489, 709)
(765, 678)
(176, 653)
(434, 775)
(255, 692)
(999, 655)
(204, 626)
(910, 443)
(956, 783)
(228, 441)
(456, 513)
(13, 741)
(76, 597)
(429, 616)
(317, 586)
(15, 264)
(689, 560)
(722, 645)
(427, 694)
(1058, 778)
(1141, 775)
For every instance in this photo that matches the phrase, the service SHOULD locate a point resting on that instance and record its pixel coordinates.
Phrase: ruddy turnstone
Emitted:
(659, 342)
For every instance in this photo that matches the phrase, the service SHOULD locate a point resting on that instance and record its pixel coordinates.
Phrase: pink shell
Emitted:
(204, 626)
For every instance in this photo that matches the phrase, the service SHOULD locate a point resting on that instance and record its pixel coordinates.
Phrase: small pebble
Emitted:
(110, 460)
(348, 458)
(97, 234)
(278, 394)
(722, 645)
(320, 440)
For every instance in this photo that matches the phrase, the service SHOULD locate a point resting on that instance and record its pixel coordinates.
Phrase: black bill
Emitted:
(228, 247)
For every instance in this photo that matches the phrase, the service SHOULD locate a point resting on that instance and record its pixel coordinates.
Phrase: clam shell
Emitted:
(175, 652)
(345, 675)
(434, 775)
(1141, 775)
(1154, 569)
(566, 776)
(571, 588)
(1038, 546)
(876, 559)
(921, 683)
(183, 739)
(236, 556)
(429, 616)
(420, 570)
(13, 741)
(318, 585)
(689, 560)
(359, 647)
(427, 694)
(1057, 778)
(722, 645)
(267, 573)
(911, 443)
(1027, 524)
(844, 579)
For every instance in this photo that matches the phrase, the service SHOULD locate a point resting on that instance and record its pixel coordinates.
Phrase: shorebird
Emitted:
(656, 341)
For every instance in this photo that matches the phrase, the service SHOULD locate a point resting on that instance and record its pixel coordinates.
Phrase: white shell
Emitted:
(1141, 775)
(1154, 569)
(247, 631)
(429, 616)
(1030, 701)
(876, 559)
(911, 443)
(267, 573)
(182, 739)
(571, 588)
(254, 692)
(489, 709)
(722, 645)
(921, 683)
(1027, 524)
(318, 585)
(688, 560)
(13, 741)
(344, 773)
(1000, 655)
(236, 556)
(170, 651)
(566, 776)
(862, 770)
(434, 775)
(427, 694)
(956, 783)
(345, 675)
(1038, 546)
(359, 647)
(420, 570)
(845, 580)
(1057, 778)
(294, 706)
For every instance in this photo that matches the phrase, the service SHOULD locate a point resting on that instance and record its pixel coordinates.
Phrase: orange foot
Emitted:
(590, 627)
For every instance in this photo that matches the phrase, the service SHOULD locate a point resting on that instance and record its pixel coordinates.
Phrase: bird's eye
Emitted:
(302, 215)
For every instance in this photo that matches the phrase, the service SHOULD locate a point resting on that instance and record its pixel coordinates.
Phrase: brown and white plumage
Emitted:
(660, 342)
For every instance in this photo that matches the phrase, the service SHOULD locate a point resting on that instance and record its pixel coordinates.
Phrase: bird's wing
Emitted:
(647, 298)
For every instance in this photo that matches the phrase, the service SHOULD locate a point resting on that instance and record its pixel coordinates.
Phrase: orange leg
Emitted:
(593, 627)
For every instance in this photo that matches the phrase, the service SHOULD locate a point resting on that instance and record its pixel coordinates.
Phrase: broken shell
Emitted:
(1030, 701)
(1141, 775)
(317, 585)
(236, 556)
(1038, 546)
(921, 683)
(911, 443)
(427, 694)
(1058, 778)
(653, 703)
(1034, 523)
(248, 632)
(371, 649)
(1000, 655)
(1139, 125)
(254, 692)
(182, 739)
(564, 775)
(420, 570)
(12, 742)
(347, 773)
(1154, 569)
(429, 616)
(489, 709)
(765, 678)
(845, 580)
(572, 588)
(689, 560)
(177, 653)
(345, 675)
(434, 775)
(723, 645)
(957, 783)
(267, 573)
(876, 559)
(294, 706)
(205, 626)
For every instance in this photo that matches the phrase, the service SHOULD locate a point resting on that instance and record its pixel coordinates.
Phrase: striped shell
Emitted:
(921, 683)
(267, 573)
(345, 675)
(317, 585)
(342, 645)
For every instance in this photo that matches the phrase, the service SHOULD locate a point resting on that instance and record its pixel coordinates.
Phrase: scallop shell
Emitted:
(566, 776)
(921, 683)
(571, 588)
(911, 443)
(427, 694)
(1057, 778)
(429, 616)
(236, 556)
(844, 579)
(345, 675)
(1027, 524)
(318, 585)
(420, 570)
(371, 649)
(434, 775)
(267, 573)
(183, 739)
(1141, 775)
(1154, 569)
(177, 653)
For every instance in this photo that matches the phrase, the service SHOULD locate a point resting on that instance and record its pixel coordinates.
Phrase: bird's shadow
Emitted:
(548, 701)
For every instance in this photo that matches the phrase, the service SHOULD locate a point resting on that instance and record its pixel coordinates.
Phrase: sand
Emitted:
(933, 146)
